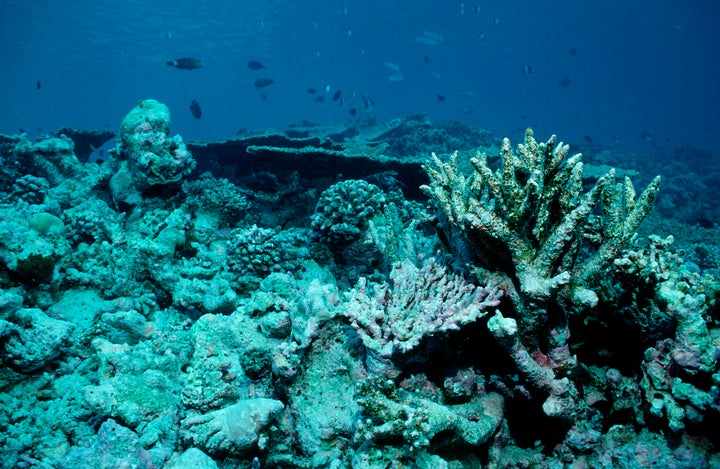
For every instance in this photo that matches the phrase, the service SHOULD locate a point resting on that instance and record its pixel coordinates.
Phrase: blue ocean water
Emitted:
(633, 73)
(329, 295)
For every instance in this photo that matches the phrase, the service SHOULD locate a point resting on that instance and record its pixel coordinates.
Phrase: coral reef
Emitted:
(307, 310)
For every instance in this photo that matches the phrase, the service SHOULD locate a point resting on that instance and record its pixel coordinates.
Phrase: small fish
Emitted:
(440, 98)
(588, 139)
(528, 70)
(392, 66)
(38, 85)
(564, 83)
(646, 135)
(263, 82)
(185, 63)
(426, 59)
(263, 97)
(311, 91)
(255, 65)
(352, 112)
(705, 223)
(573, 52)
(429, 38)
(195, 109)
(368, 102)
(320, 99)
(337, 95)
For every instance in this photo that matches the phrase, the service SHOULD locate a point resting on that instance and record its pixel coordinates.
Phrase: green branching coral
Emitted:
(530, 222)
(528, 219)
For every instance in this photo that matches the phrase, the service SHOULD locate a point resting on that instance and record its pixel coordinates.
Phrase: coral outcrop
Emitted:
(147, 156)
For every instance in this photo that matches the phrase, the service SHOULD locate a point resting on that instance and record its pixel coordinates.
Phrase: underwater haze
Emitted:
(618, 72)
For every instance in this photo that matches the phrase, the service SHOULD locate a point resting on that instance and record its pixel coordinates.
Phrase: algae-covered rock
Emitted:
(323, 398)
(192, 458)
(38, 339)
(147, 117)
(235, 429)
(215, 377)
(147, 155)
(133, 398)
(114, 446)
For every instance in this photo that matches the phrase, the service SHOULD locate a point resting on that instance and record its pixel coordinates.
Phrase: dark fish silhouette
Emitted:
(263, 97)
(440, 98)
(564, 83)
(573, 52)
(255, 65)
(38, 85)
(352, 112)
(705, 223)
(588, 139)
(311, 91)
(263, 82)
(528, 70)
(195, 109)
(320, 99)
(337, 95)
(185, 63)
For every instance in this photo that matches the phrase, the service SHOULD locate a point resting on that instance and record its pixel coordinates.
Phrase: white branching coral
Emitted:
(420, 303)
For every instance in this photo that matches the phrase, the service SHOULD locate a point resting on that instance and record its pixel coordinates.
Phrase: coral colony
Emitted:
(310, 302)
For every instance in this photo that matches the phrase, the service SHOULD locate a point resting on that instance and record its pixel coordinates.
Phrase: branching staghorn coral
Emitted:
(528, 218)
(528, 221)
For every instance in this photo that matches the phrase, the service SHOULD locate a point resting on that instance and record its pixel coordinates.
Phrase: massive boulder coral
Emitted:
(147, 156)
(343, 211)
